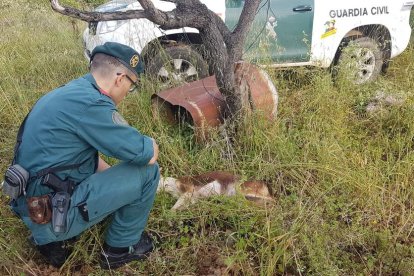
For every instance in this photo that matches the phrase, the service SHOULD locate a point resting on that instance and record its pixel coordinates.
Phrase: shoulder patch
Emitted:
(118, 119)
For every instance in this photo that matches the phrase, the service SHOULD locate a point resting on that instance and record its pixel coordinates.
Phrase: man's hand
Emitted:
(102, 165)
(155, 156)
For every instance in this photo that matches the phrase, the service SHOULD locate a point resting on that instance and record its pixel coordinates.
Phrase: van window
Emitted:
(234, 3)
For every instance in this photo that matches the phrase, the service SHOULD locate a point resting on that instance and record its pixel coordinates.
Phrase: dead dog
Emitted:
(189, 189)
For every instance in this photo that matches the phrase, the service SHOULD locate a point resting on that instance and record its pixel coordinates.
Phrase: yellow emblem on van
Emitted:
(330, 28)
(134, 61)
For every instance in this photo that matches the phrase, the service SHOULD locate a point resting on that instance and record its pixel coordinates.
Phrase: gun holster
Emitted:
(60, 207)
(60, 201)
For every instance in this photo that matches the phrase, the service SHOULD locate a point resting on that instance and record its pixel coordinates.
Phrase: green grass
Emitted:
(342, 177)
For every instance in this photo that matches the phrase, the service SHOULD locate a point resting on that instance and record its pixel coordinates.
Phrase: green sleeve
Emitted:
(104, 129)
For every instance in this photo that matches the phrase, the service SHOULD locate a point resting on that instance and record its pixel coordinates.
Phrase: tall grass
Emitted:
(341, 176)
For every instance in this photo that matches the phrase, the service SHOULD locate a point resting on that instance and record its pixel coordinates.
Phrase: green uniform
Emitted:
(70, 125)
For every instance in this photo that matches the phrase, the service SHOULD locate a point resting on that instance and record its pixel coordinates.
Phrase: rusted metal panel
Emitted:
(261, 91)
(202, 99)
(205, 104)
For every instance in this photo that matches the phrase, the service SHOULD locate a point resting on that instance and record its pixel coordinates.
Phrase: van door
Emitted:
(281, 31)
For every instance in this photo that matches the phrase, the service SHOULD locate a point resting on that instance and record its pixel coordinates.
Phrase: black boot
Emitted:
(55, 252)
(112, 258)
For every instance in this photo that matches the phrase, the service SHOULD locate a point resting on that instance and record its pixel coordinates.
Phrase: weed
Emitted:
(341, 175)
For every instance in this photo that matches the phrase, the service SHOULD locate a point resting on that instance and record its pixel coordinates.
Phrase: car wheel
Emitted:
(361, 60)
(176, 65)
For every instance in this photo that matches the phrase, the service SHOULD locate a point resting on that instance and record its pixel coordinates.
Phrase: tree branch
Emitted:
(223, 29)
(243, 26)
(154, 14)
(247, 16)
(96, 16)
(166, 20)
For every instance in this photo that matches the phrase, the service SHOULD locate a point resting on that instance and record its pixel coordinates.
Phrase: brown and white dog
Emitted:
(188, 189)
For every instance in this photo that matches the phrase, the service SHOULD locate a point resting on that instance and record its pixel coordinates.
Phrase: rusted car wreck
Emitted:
(201, 104)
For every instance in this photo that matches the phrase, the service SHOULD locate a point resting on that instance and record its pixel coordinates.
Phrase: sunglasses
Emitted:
(135, 84)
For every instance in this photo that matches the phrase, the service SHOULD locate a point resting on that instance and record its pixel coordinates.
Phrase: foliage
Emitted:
(341, 176)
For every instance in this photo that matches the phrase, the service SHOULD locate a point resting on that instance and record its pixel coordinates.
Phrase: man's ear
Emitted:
(119, 80)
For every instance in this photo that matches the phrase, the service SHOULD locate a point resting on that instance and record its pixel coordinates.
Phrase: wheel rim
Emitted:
(364, 64)
(177, 70)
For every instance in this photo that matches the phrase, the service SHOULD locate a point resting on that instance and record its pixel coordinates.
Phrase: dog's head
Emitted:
(169, 185)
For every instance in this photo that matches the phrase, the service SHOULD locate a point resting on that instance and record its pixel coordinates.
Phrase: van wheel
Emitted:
(361, 60)
(177, 65)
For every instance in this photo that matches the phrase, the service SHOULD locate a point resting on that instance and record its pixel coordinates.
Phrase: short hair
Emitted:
(105, 65)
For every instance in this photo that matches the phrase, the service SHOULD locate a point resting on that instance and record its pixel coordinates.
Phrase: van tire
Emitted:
(177, 64)
(361, 59)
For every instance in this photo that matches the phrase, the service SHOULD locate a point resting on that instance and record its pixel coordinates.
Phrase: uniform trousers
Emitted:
(124, 193)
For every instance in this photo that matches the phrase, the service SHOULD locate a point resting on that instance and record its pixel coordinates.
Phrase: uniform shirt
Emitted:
(70, 125)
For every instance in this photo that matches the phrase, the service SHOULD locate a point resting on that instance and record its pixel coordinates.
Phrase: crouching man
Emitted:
(69, 187)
